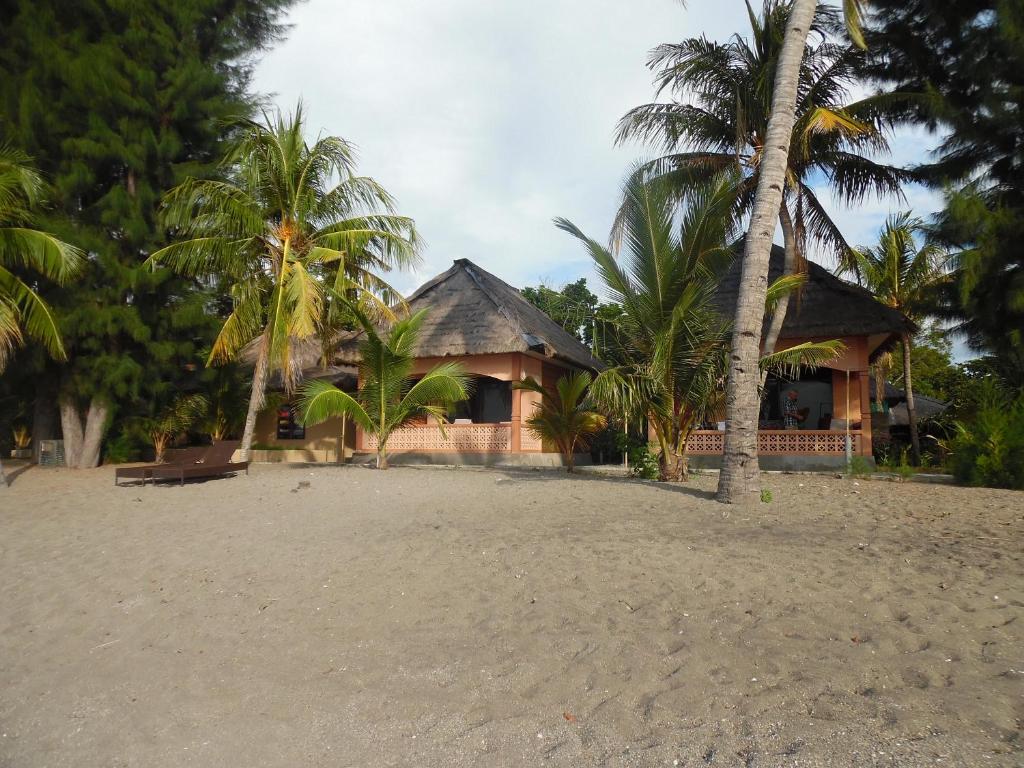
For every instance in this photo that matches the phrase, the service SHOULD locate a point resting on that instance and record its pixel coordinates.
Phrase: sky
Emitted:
(488, 119)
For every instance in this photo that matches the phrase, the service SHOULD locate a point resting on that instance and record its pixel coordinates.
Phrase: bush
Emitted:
(643, 463)
(123, 448)
(988, 449)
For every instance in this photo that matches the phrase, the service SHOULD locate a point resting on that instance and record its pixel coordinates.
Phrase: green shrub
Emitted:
(766, 496)
(860, 466)
(644, 463)
(123, 448)
(988, 449)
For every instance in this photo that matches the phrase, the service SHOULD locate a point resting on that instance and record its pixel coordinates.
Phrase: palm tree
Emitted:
(740, 477)
(389, 396)
(22, 310)
(906, 277)
(723, 125)
(291, 229)
(563, 417)
(671, 342)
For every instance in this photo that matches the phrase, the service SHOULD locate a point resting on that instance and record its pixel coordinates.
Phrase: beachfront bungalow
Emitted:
(498, 336)
(486, 324)
(832, 405)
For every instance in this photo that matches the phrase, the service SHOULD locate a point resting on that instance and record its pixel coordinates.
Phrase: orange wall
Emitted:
(323, 436)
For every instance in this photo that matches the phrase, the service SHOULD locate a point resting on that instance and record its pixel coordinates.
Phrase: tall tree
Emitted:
(965, 62)
(718, 120)
(905, 276)
(286, 216)
(740, 476)
(573, 307)
(118, 102)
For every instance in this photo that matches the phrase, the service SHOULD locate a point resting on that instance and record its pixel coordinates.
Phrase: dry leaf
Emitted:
(569, 716)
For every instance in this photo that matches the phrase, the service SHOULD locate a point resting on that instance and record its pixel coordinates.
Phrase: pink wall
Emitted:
(511, 366)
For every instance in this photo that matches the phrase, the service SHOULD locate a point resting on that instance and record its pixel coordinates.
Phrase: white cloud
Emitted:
(488, 119)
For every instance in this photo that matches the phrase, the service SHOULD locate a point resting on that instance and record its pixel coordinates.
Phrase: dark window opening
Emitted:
(490, 403)
(287, 427)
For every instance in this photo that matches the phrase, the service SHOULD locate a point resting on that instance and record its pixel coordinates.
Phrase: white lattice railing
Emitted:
(483, 438)
(792, 442)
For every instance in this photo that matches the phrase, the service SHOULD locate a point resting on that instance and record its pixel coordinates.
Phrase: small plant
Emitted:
(645, 464)
(860, 466)
(564, 416)
(766, 496)
(903, 470)
(22, 438)
(176, 418)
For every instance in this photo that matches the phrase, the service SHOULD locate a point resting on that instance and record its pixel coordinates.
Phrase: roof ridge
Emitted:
(469, 267)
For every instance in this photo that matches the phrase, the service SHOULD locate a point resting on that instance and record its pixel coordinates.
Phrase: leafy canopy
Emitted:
(290, 229)
(22, 249)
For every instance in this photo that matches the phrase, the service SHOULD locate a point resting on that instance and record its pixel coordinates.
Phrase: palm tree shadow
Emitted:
(513, 475)
(13, 474)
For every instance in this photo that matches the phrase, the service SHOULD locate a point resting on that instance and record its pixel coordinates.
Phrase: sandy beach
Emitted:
(338, 616)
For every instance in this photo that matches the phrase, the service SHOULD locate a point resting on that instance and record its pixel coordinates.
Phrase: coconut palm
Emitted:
(389, 396)
(563, 416)
(723, 124)
(739, 479)
(24, 249)
(22, 311)
(905, 276)
(671, 341)
(291, 229)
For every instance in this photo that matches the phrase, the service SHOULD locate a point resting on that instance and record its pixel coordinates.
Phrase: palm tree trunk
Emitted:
(740, 478)
(879, 388)
(915, 441)
(3, 480)
(256, 398)
(779, 314)
(92, 436)
(382, 455)
(71, 430)
(340, 457)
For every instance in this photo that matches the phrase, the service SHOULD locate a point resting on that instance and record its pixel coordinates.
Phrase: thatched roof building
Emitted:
(472, 312)
(826, 307)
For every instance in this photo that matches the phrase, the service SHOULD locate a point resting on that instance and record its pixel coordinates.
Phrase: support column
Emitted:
(517, 411)
(865, 413)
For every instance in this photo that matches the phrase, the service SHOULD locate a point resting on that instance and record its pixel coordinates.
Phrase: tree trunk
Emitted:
(382, 455)
(674, 467)
(915, 441)
(779, 314)
(740, 478)
(340, 458)
(92, 437)
(879, 388)
(82, 441)
(71, 430)
(256, 397)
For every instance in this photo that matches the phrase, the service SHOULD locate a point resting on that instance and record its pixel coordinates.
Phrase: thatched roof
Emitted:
(826, 306)
(472, 312)
(926, 407)
(306, 356)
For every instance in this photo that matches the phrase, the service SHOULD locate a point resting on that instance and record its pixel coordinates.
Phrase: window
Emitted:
(287, 427)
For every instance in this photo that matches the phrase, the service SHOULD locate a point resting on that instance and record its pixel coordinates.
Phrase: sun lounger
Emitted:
(216, 463)
(183, 456)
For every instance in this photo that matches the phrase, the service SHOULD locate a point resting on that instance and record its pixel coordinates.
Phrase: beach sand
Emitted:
(443, 617)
